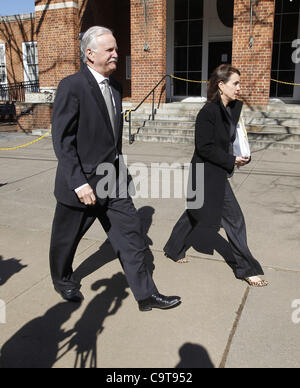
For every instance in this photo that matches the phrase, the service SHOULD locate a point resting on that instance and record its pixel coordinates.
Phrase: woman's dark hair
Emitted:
(222, 73)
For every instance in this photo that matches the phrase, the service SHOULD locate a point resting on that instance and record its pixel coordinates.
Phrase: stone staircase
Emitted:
(275, 126)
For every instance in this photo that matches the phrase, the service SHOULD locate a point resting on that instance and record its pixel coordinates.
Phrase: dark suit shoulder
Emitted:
(72, 82)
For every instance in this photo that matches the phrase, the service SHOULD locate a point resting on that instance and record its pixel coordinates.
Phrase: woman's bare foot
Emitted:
(183, 261)
(255, 281)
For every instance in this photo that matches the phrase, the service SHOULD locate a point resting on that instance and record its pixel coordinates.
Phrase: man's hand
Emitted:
(240, 162)
(86, 195)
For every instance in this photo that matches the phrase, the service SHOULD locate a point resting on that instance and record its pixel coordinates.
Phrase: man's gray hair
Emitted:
(89, 39)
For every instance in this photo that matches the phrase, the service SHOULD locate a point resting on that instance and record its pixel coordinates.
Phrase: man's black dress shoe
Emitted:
(71, 295)
(158, 301)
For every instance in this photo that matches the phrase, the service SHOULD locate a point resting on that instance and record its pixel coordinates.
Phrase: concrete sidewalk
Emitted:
(221, 322)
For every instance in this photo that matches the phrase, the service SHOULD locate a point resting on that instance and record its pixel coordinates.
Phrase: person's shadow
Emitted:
(206, 241)
(8, 268)
(91, 324)
(39, 344)
(106, 253)
(194, 356)
(36, 345)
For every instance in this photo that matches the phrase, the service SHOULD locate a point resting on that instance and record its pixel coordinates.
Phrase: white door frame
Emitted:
(4, 46)
(25, 64)
(170, 52)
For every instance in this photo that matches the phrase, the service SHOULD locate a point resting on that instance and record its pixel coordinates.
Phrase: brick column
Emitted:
(148, 28)
(57, 28)
(255, 63)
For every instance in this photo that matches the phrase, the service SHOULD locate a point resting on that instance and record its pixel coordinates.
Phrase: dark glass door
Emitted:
(188, 46)
(219, 52)
(285, 33)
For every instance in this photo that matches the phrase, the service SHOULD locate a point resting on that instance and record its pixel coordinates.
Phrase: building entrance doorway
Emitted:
(219, 53)
(114, 14)
(199, 38)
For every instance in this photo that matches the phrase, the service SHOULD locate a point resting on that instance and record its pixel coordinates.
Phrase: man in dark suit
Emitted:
(87, 134)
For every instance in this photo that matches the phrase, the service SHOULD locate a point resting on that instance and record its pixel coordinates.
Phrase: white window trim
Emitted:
(26, 72)
(3, 45)
(68, 4)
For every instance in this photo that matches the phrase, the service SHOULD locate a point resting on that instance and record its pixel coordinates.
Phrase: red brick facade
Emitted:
(33, 116)
(13, 32)
(148, 28)
(141, 31)
(57, 33)
(254, 63)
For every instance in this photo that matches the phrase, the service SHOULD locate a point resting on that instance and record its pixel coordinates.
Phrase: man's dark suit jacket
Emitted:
(82, 133)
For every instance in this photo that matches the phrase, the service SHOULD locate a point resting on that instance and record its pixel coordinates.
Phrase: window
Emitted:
(188, 46)
(3, 75)
(285, 32)
(31, 69)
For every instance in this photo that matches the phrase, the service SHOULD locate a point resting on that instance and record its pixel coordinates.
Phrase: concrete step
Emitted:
(154, 131)
(255, 145)
(161, 139)
(273, 129)
(253, 119)
(193, 106)
(273, 137)
(191, 125)
(190, 133)
(271, 115)
(273, 121)
(286, 111)
(162, 124)
(288, 146)
(167, 116)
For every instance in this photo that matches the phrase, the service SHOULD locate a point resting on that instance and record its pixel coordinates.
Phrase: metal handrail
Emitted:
(16, 91)
(128, 112)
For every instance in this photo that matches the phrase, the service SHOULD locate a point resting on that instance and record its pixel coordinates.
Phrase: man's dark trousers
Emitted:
(121, 222)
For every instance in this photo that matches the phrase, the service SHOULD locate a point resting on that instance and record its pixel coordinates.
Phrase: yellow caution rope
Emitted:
(25, 145)
(284, 83)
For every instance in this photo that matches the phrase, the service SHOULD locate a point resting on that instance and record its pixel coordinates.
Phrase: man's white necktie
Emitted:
(110, 105)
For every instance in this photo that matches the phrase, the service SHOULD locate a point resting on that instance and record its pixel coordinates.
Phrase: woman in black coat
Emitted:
(215, 134)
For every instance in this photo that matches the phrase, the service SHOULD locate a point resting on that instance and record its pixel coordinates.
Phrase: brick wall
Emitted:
(147, 67)
(33, 116)
(255, 64)
(58, 43)
(13, 32)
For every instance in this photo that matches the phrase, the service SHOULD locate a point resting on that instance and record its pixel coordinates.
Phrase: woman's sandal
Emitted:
(261, 283)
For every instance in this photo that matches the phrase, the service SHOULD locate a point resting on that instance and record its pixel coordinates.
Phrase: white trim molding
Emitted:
(3, 47)
(68, 4)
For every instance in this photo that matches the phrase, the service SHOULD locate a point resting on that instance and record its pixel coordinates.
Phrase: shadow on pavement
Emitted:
(36, 344)
(8, 268)
(206, 241)
(42, 342)
(194, 356)
(91, 324)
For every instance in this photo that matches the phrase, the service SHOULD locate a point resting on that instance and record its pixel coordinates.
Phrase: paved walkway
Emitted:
(221, 322)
